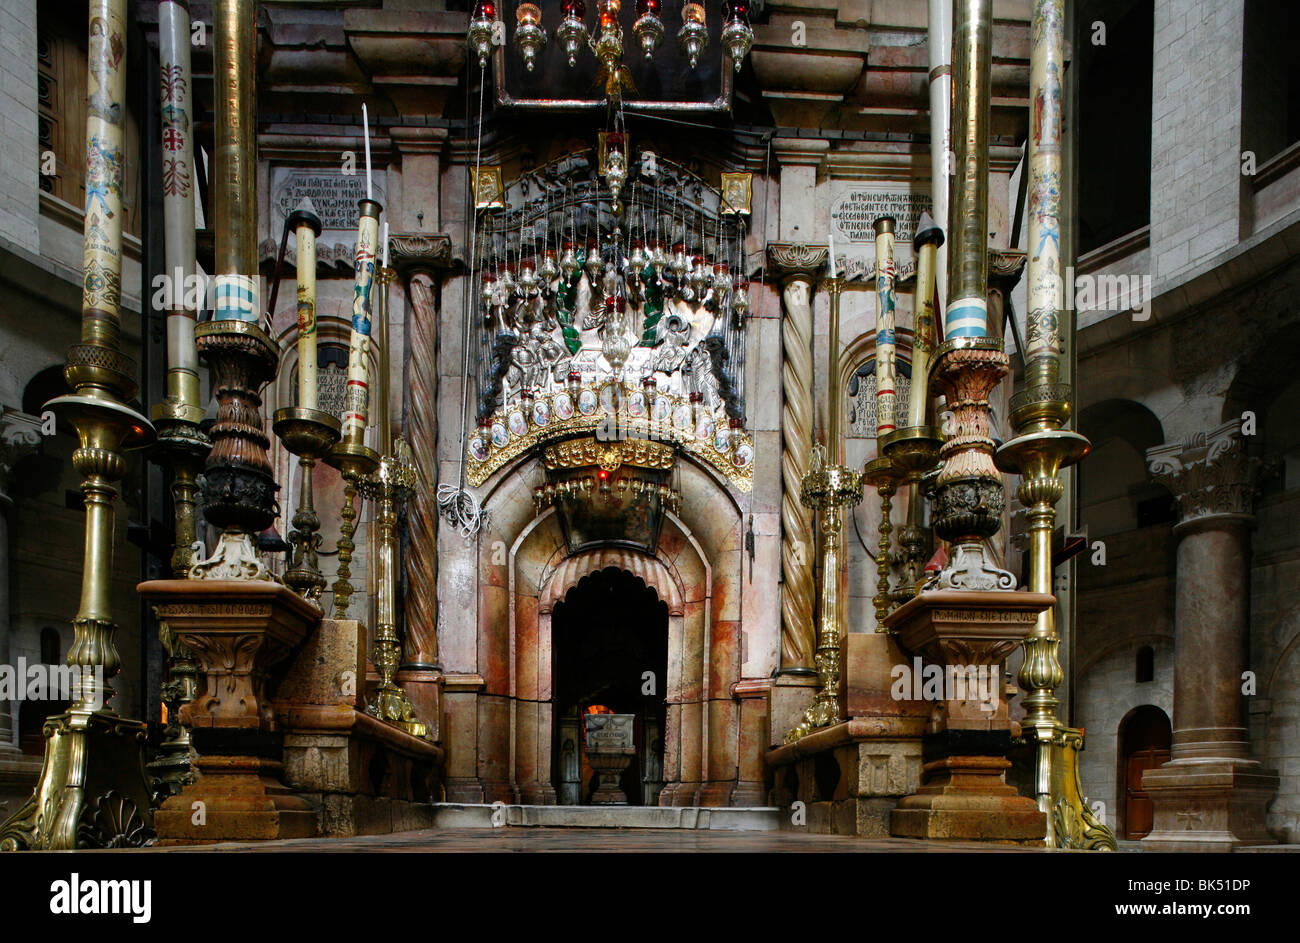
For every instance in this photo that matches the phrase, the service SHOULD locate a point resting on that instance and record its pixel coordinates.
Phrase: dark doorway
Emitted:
(1145, 736)
(610, 642)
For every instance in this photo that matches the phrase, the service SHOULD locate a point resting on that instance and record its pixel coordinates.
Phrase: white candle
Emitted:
(365, 130)
(831, 241)
(383, 240)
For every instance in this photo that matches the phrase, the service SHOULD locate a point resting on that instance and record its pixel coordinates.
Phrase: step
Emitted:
(480, 815)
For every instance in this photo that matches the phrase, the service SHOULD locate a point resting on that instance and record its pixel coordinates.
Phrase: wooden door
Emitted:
(1145, 739)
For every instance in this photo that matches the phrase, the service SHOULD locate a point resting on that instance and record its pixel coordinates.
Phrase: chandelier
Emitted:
(649, 28)
(612, 301)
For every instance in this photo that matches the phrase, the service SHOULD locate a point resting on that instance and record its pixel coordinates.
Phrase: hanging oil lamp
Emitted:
(569, 261)
(740, 299)
(550, 269)
(737, 37)
(529, 35)
(694, 34)
(480, 30)
(572, 31)
(648, 29)
(593, 264)
(528, 284)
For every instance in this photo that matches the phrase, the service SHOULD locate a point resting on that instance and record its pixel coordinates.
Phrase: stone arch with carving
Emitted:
(525, 568)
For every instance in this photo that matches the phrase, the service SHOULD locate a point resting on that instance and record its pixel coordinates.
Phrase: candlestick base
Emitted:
(914, 451)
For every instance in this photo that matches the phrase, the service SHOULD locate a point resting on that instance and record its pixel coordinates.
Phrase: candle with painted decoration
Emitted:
(929, 238)
(885, 395)
(178, 202)
(356, 408)
(306, 227)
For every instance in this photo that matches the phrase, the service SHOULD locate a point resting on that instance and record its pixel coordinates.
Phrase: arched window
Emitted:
(1146, 664)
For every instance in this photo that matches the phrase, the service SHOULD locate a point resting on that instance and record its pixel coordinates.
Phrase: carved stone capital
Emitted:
(414, 252)
(796, 261)
(20, 434)
(1210, 474)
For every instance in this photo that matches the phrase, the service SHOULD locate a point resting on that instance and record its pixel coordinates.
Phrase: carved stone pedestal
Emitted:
(239, 631)
(610, 747)
(959, 641)
(423, 687)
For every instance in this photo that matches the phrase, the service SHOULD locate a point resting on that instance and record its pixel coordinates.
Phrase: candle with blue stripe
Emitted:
(967, 312)
(886, 397)
(356, 403)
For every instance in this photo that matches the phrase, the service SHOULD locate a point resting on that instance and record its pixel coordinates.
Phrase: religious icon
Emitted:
(704, 429)
(563, 406)
(682, 418)
(478, 448)
(721, 439)
(660, 413)
(518, 424)
(737, 194)
(541, 412)
(500, 438)
(636, 404)
(744, 455)
(488, 190)
(587, 402)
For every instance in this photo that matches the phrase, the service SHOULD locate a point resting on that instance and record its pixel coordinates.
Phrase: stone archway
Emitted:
(507, 725)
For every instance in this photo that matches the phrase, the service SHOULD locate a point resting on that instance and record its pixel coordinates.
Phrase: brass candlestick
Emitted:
(92, 790)
(881, 474)
(914, 451)
(309, 434)
(827, 489)
(354, 461)
(182, 447)
(389, 486)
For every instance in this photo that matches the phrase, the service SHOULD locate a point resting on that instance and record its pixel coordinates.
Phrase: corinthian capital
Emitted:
(1210, 474)
(794, 260)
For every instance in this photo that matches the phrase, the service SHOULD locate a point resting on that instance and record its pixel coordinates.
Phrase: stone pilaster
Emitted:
(1210, 795)
(797, 267)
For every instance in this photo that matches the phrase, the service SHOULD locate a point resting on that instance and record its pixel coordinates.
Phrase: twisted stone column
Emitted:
(1211, 795)
(419, 257)
(797, 267)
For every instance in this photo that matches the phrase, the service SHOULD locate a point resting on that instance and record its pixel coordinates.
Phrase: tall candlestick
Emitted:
(178, 201)
(967, 314)
(306, 226)
(385, 442)
(885, 394)
(235, 204)
(940, 43)
(356, 408)
(1043, 267)
(929, 238)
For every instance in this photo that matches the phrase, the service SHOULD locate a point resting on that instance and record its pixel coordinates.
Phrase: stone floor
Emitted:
(597, 840)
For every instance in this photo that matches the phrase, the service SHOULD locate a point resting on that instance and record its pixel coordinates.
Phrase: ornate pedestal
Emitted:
(963, 638)
(610, 747)
(239, 630)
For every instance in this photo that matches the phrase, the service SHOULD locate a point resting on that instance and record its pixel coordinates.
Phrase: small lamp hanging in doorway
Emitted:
(481, 28)
(694, 34)
(530, 37)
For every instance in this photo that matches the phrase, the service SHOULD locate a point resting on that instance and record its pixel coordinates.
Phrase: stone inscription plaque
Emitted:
(854, 207)
(333, 194)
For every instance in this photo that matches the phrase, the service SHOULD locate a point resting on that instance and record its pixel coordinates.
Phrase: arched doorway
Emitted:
(1145, 736)
(610, 645)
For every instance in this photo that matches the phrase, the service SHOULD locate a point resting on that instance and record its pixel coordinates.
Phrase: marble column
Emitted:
(419, 258)
(1211, 795)
(797, 267)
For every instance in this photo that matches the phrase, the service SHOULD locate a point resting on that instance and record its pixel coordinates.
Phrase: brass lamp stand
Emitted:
(183, 448)
(913, 451)
(827, 489)
(881, 474)
(355, 461)
(389, 486)
(309, 434)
